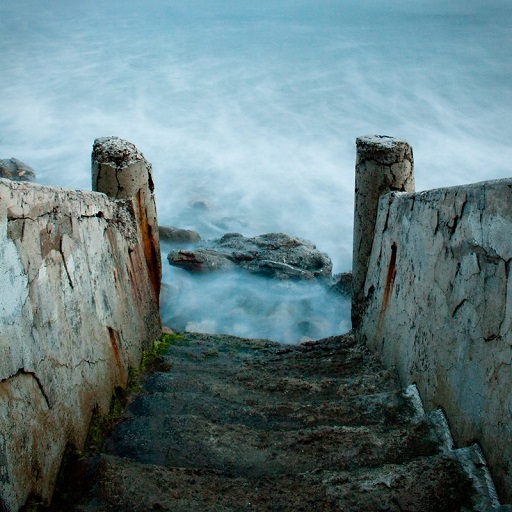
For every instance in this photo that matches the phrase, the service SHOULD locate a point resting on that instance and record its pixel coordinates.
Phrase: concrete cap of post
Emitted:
(119, 169)
(383, 149)
(116, 151)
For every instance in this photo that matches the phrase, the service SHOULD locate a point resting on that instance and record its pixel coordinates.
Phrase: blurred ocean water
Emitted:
(252, 109)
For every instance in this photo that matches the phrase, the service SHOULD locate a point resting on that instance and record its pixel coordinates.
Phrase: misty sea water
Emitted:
(252, 108)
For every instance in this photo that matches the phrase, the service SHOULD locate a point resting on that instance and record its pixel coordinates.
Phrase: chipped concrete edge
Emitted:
(474, 464)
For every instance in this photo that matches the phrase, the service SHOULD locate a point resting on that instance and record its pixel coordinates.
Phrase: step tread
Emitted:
(223, 423)
(435, 484)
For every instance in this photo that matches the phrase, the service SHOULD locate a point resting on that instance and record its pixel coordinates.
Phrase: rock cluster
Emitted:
(276, 255)
(342, 283)
(15, 170)
(176, 235)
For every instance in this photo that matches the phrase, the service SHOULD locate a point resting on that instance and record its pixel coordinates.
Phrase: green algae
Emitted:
(174, 339)
(151, 358)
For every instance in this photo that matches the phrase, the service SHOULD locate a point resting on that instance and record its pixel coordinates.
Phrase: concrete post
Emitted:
(383, 164)
(120, 170)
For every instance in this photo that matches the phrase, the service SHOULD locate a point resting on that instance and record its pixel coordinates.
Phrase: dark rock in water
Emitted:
(200, 204)
(177, 235)
(15, 170)
(199, 261)
(342, 283)
(274, 255)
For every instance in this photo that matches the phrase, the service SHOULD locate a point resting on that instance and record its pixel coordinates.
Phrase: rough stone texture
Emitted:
(383, 164)
(16, 170)
(177, 235)
(120, 170)
(274, 255)
(342, 284)
(76, 309)
(225, 424)
(439, 308)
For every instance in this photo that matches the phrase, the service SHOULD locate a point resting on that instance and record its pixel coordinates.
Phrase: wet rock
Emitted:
(199, 261)
(15, 170)
(200, 204)
(342, 283)
(177, 235)
(276, 255)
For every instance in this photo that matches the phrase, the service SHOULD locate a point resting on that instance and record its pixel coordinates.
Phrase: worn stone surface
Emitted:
(225, 423)
(383, 164)
(15, 170)
(76, 309)
(176, 235)
(440, 308)
(120, 170)
(342, 283)
(274, 254)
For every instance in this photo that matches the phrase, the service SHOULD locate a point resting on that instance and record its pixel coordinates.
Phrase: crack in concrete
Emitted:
(57, 214)
(70, 280)
(22, 371)
(490, 255)
(461, 303)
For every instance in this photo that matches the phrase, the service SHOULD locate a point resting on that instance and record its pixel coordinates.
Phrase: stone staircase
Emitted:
(229, 424)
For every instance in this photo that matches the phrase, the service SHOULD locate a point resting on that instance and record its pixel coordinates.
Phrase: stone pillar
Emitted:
(383, 164)
(120, 170)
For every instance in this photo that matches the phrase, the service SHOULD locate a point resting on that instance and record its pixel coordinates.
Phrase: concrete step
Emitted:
(254, 360)
(276, 412)
(193, 442)
(233, 424)
(427, 484)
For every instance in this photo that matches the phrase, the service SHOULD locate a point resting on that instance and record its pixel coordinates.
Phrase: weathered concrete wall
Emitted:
(77, 306)
(439, 308)
(120, 170)
(383, 164)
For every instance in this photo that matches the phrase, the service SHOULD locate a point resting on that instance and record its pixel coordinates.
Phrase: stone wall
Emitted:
(438, 306)
(78, 303)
